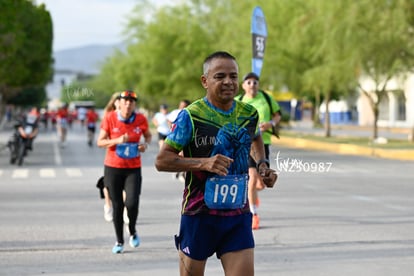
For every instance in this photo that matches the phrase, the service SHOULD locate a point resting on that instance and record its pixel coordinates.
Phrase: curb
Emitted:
(347, 149)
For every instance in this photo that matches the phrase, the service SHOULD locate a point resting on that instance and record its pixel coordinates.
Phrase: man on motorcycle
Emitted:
(26, 130)
(29, 128)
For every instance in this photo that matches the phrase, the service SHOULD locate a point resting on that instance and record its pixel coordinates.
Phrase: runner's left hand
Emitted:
(269, 176)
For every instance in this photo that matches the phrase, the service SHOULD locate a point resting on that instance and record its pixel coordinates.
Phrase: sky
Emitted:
(85, 22)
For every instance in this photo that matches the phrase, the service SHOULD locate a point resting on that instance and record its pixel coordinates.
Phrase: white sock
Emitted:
(253, 209)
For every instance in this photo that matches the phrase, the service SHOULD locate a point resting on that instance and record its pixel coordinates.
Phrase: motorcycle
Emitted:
(20, 143)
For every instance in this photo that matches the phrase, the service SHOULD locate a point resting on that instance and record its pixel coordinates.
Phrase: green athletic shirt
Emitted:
(263, 108)
(202, 130)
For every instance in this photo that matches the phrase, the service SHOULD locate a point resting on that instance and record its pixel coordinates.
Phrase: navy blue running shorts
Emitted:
(203, 235)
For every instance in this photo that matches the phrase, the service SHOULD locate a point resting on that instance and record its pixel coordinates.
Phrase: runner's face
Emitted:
(251, 86)
(127, 106)
(221, 82)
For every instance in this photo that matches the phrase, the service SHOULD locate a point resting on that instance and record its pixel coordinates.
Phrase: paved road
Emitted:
(349, 130)
(329, 215)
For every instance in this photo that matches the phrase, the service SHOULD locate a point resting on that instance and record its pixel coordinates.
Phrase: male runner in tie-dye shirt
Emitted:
(216, 134)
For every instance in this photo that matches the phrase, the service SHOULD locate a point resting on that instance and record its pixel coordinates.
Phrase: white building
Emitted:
(396, 109)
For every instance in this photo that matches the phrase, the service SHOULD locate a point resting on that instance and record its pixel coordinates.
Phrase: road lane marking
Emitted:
(397, 207)
(73, 172)
(20, 173)
(363, 198)
(380, 202)
(47, 173)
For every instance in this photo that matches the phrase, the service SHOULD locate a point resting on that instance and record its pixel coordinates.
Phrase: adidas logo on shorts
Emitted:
(186, 250)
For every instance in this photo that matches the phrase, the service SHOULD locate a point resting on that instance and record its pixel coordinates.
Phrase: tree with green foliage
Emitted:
(385, 46)
(25, 51)
(164, 56)
(318, 49)
(314, 55)
(327, 46)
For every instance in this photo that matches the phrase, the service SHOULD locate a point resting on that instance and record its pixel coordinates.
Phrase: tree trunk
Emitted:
(374, 104)
(327, 116)
(375, 126)
(316, 119)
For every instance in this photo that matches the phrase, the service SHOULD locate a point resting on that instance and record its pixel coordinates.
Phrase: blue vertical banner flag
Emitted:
(259, 35)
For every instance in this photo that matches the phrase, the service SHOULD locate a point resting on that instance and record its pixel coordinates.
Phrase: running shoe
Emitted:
(118, 248)
(255, 223)
(134, 241)
(108, 213)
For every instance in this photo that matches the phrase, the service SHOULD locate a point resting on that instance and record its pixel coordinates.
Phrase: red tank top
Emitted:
(115, 128)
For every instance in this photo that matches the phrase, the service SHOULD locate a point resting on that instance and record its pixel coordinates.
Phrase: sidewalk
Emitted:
(347, 131)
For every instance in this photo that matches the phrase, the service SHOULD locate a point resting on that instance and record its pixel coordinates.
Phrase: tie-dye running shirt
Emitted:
(202, 130)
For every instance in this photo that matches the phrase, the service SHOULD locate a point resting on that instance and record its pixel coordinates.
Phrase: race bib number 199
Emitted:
(226, 192)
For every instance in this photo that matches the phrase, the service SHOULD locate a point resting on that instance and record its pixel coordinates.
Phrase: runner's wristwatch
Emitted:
(262, 161)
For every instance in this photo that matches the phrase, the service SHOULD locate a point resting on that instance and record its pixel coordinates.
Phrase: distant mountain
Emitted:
(86, 59)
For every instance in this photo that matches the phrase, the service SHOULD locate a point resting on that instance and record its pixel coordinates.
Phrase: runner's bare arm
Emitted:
(268, 175)
(257, 149)
(147, 137)
(104, 141)
(169, 160)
